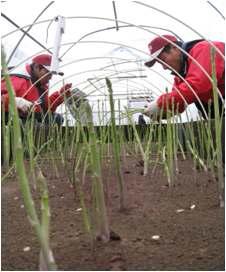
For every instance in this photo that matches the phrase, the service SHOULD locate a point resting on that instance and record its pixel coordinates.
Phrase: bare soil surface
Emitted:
(185, 217)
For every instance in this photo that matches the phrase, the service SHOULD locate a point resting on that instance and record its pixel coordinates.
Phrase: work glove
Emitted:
(66, 89)
(152, 109)
(23, 104)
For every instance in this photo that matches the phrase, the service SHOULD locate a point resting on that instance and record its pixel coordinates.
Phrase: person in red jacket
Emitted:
(31, 91)
(193, 80)
(191, 83)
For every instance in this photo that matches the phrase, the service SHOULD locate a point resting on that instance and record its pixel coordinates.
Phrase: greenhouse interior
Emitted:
(112, 135)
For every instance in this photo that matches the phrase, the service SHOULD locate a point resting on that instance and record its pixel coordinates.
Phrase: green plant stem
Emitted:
(116, 148)
(218, 128)
(24, 184)
(102, 226)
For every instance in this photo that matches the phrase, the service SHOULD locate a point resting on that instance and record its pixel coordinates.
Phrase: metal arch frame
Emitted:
(22, 37)
(204, 71)
(112, 28)
(160, 35)
(127, 23)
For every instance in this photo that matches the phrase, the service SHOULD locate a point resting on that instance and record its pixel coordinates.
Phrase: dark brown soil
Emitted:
(185, 216)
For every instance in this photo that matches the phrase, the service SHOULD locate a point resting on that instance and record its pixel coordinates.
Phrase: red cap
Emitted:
(157, 45)
(45, 61)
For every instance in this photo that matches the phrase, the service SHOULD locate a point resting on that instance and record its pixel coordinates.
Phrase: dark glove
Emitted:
(66, 89)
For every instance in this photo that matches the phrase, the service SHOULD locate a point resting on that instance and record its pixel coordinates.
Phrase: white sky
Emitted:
(198, 14)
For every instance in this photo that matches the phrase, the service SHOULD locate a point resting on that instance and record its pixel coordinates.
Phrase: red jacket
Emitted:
(196, 78)
(23, 87)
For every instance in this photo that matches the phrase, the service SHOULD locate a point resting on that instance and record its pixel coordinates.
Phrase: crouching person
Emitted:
(191, 63)
(31, 94)
(31, 91)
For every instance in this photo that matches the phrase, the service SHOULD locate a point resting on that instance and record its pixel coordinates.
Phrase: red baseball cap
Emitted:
(157, 45)
(45, 61)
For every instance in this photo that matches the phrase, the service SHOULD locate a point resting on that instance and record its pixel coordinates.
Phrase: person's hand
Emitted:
(152, 109)
(23, 104)
(66, 89)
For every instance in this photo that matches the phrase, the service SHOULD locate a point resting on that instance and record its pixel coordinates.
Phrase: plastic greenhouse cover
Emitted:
(99, 43)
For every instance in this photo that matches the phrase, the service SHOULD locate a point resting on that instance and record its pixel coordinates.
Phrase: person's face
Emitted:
(42, 74)
(170, 59)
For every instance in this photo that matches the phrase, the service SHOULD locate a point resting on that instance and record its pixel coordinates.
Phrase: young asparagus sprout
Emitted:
(100, 211)
(116, 149)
